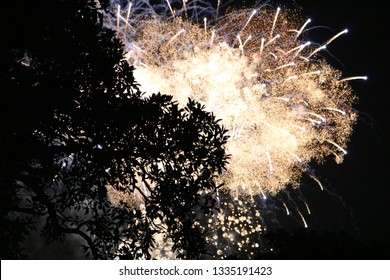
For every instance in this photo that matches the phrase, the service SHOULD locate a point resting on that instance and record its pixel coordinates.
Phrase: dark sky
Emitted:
(361, 182)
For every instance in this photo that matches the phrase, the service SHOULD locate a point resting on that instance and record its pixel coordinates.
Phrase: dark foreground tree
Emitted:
(83, 148)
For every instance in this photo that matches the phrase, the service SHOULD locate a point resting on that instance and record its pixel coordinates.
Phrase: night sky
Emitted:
(362, 180)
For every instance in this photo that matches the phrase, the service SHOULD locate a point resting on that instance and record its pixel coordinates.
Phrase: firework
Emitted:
(283, 105)
(235, 230)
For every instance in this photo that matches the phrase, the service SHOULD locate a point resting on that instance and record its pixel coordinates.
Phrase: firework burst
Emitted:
(283, 105)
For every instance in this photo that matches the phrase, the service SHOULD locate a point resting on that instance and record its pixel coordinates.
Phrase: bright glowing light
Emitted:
(271, 91)
(354, 78)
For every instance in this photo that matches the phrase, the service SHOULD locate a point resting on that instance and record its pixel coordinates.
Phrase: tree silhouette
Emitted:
(83, 148)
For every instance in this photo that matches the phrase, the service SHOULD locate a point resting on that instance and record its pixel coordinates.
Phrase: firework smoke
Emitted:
(255, 70)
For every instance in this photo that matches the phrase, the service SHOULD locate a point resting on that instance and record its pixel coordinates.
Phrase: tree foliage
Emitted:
(75, 128)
